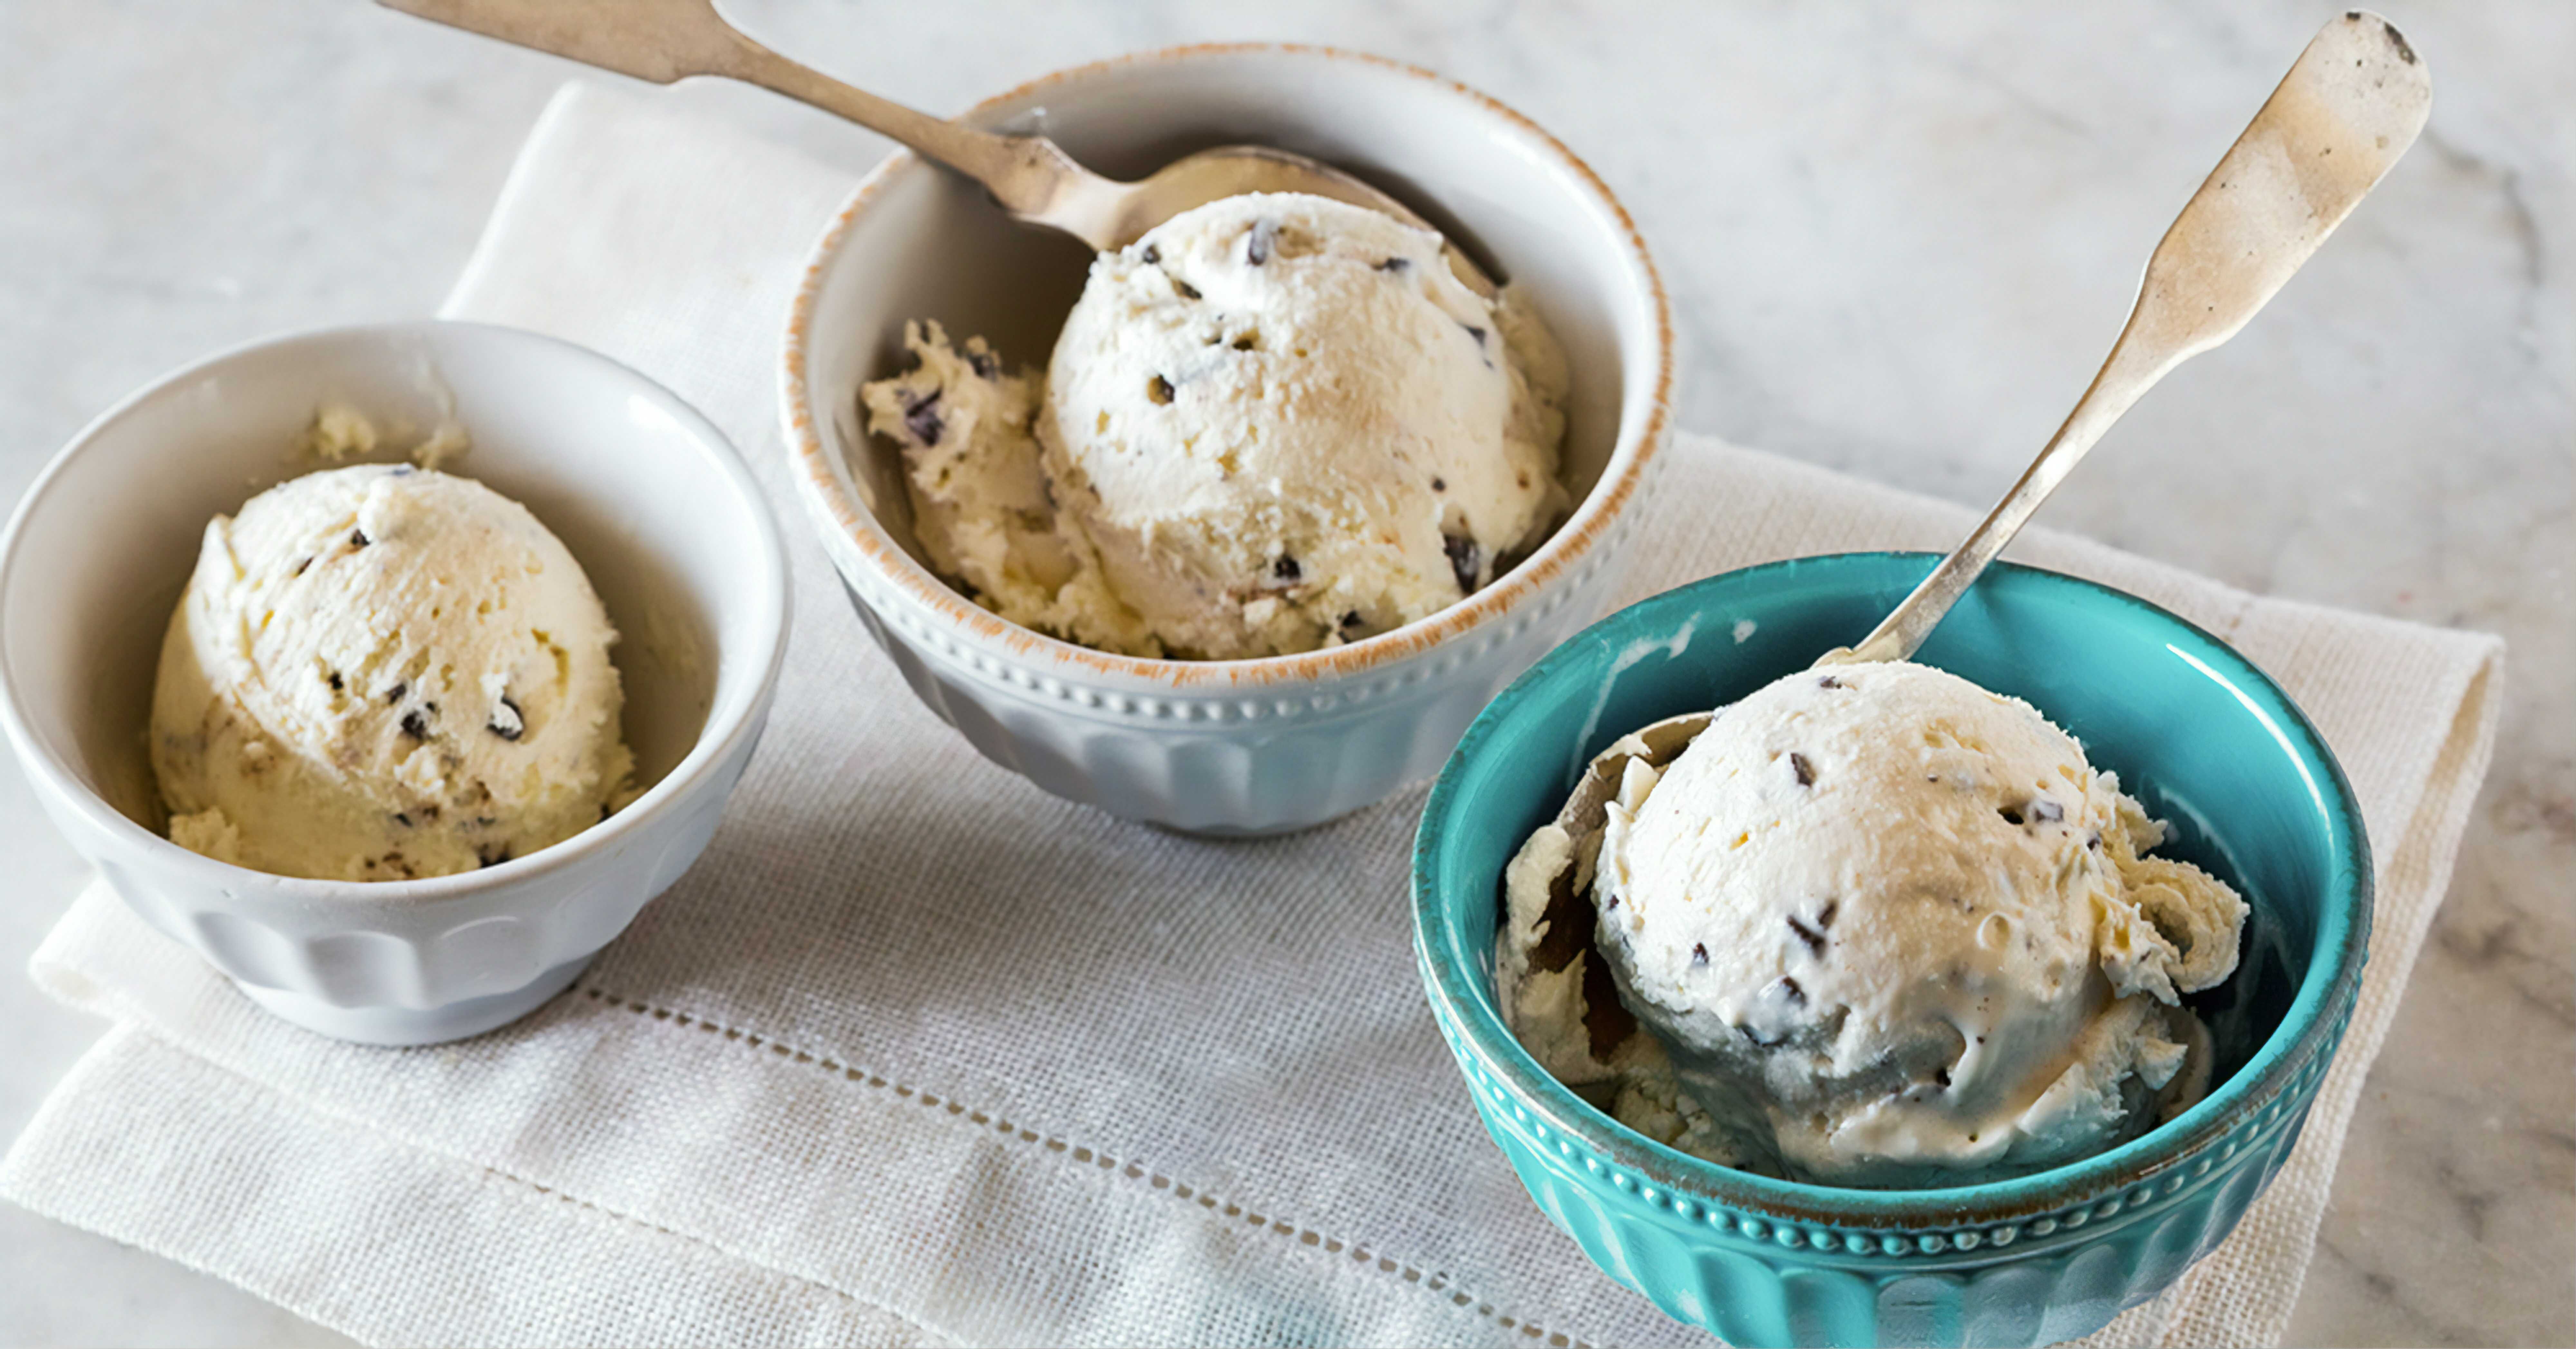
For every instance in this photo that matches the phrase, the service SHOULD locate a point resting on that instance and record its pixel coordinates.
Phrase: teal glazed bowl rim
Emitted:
(2288, 1062)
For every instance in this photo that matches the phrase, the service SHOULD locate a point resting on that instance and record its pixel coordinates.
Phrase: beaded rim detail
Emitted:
(1226, 704)
(2192, 1173)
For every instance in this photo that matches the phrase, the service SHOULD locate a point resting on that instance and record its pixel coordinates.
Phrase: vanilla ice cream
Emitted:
(1880, 927)
(383, 673)
(982, 508)
(1274, 423)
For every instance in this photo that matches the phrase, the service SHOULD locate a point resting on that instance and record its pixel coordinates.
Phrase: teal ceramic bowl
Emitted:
(2199, 735)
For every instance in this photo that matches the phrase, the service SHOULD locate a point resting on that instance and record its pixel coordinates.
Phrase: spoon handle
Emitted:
(667, 40)
(2349, 107)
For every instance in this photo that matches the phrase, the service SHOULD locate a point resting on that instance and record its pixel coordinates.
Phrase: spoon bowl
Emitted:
(1130, 210)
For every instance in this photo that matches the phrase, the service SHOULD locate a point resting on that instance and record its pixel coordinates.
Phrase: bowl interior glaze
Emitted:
(2200, 736)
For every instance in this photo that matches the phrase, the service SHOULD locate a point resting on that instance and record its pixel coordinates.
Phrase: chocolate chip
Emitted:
(1941, 1078)
(395, 694)
(1699, 953)
(1789, 989)
(921, 418)
(1188, 291)
(1152, 256)
(332, 678)
(1439, 484)
(1286, 569)
(2094, 843)
(300, 566)
(358, 538)
(2396, 39)
(2047, 811)
(493, 855)
(1396, 265)
(1159, 389)
(1806, 771)
(1609, 903)
(983, 364)
(402, 819)
(1474, 332)
(415, 725)
(1351, 623)
(507, 721)
(1256, 249)
(1466, 559)
(1247, 341)
(2011, 814)
(1825, 915)
(1829, 682)
(1815, 940)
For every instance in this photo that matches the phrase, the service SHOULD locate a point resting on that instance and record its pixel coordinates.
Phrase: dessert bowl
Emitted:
(2201, 737)
(659, 510)
(1226, 747)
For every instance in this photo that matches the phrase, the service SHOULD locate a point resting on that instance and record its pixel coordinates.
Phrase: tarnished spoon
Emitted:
(2350, 105)
(1030, 176)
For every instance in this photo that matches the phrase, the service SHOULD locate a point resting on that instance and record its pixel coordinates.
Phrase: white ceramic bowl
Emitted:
(659, 509)
(1255, 746)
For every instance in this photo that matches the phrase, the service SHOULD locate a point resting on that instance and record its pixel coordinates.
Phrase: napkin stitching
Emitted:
(1080, 1155)
(510, 1181)
(268, 1100)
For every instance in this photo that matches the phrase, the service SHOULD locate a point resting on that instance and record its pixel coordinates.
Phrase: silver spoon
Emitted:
(2351, 104)
(1030, 176)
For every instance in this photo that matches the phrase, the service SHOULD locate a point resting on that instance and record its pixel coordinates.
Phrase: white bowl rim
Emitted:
(728, 721)
(1581, 532)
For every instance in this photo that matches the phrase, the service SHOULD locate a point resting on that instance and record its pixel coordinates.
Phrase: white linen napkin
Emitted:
(918, 1054)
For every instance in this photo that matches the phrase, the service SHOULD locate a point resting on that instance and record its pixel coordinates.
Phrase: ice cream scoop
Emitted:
(1273, 424)
(1888, 928)
(385, 673)
(1279, 420)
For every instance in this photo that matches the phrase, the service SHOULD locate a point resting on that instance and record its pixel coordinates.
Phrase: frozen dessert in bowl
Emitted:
(1870, 925)
(1275, 423)
(1811, 1176)
(1287, 502)
(397, 748)
(386, 672)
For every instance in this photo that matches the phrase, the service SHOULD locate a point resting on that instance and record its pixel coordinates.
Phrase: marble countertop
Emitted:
(1898, 240)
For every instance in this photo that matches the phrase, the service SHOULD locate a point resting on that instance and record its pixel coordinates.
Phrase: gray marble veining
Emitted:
(1898, 240)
